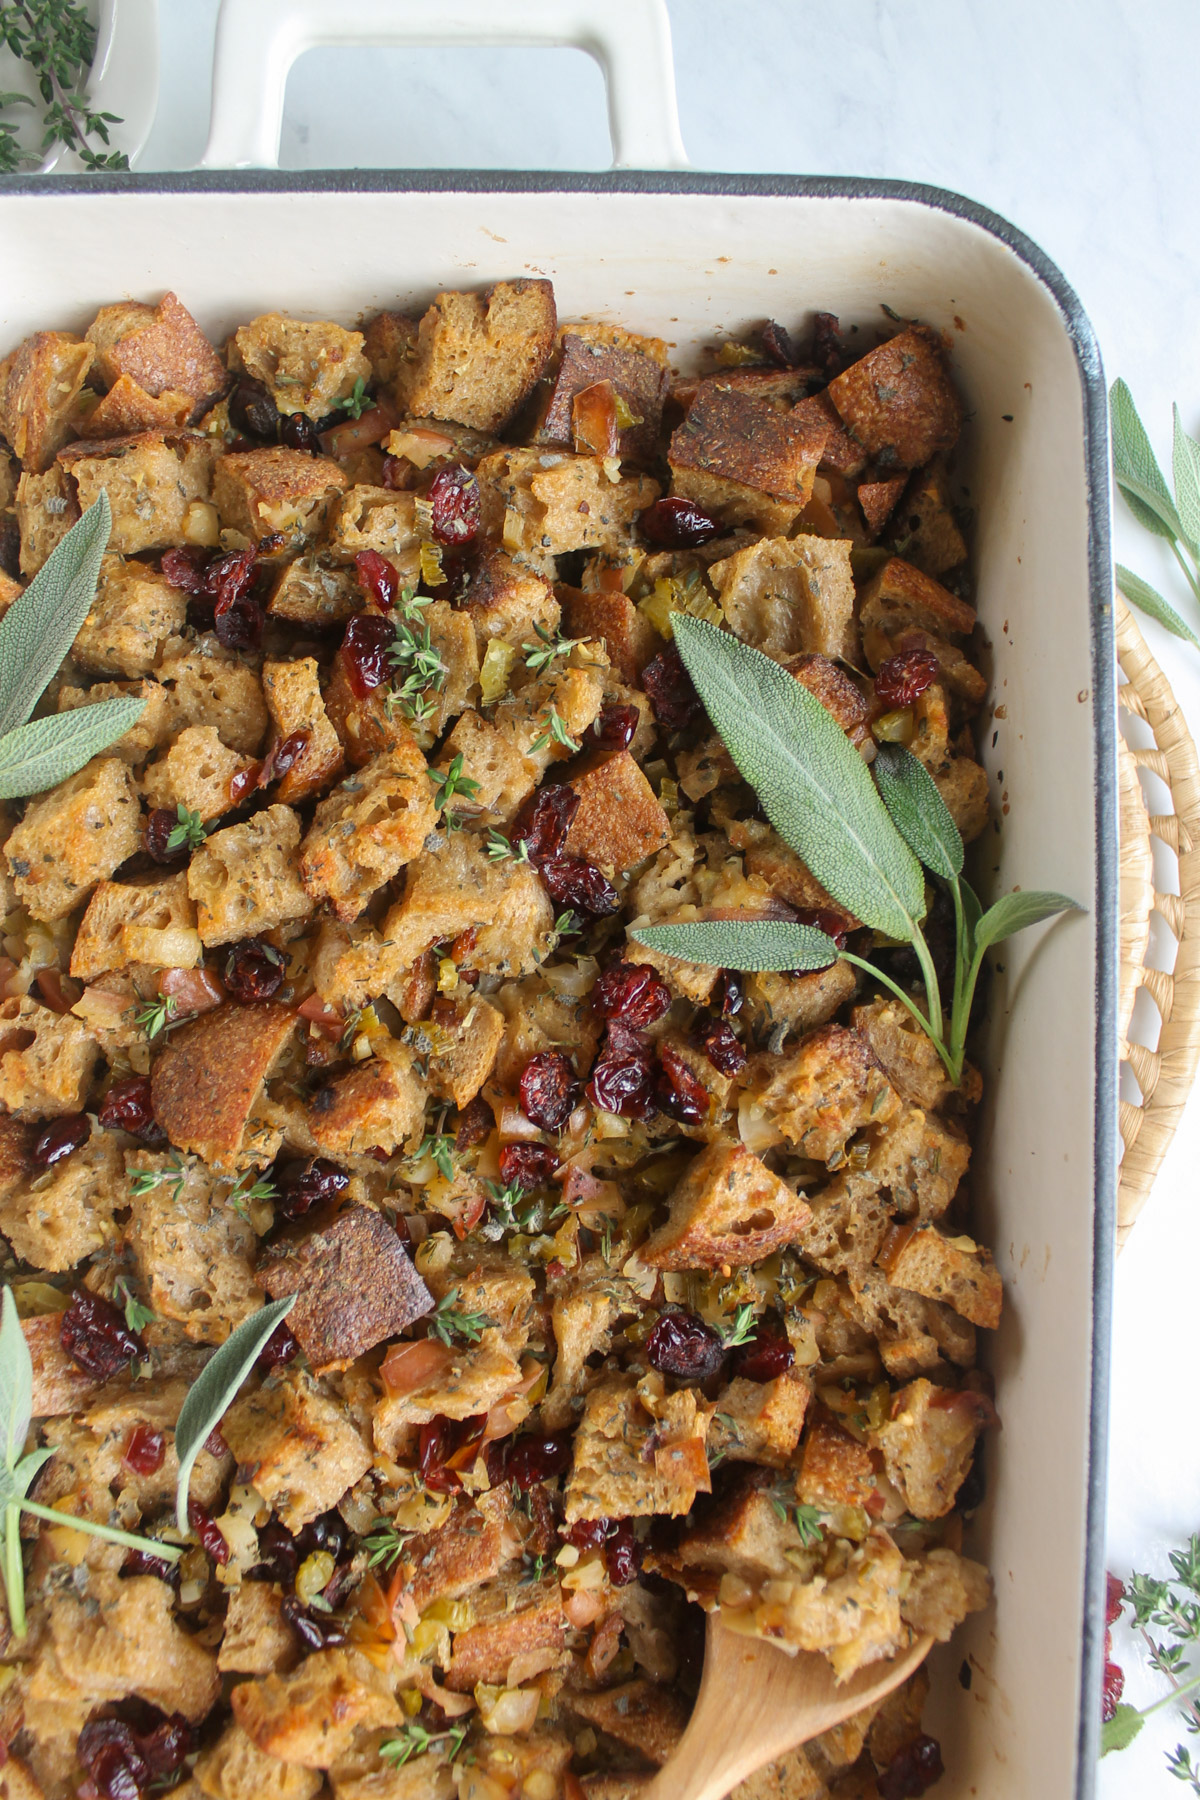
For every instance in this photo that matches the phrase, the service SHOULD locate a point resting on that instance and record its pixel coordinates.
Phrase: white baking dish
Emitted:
(687, 256)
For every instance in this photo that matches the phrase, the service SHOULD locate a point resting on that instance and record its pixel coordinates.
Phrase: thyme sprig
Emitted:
(1167, 1614)
(415, 1739)
(448, 1321)
(57, 41)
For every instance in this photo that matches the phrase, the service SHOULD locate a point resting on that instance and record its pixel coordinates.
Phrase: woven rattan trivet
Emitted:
(1161, 746)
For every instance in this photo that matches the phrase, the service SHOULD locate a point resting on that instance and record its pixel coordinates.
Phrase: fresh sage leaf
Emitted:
(1119, 1732)
(39, 755)
(16, 1382)
(1016, 912)
(22, 1476)
(917, 810)
(41, 624)
(1185, 467)
(812, 783)
(1136, 469)
(748, 944)
(214, 1388)
(1139, 593)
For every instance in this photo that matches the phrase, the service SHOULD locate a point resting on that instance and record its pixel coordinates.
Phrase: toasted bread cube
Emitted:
(907, 1054)
(956, 1271)
(842, 452)
(613, 620)
(467, 1047)
(493, 759)
(55, 1217)
(258, 1639)
(753, 464)
(367, 725)
(206, 1081)
(620, 821)
(878, 500)
(390, 341)
(194, 1252)
(47, 507)
(584, 1313)
(759, 1421)
(209, 685)
(728, 1209)
(576, 694)
(769, 859)
(641, 1713)
(505, 600)
(943, 1588)
(928, 1443)
(260, 492)
(195, 773)
(135, 609)
(456, 889)
(924, 529)
(588, 358)
(127, 921)
(477, 356)
(899, 400)
(370, 826)
(246, 879)
(797, 1002)
(355, 1283)
(308, 593)
(826, 1090)
(782, 387)
(467, 1551)
(60, 1386)
(308, 365)
(959, 779)
(46, 1059)
(377, 518)
(617, 1472)
(546, 503)
(853, 1618)
(310, 1716)
(303, 1447)
(39, 386)
(151, 479)
(160, 347)
(234, 1768)
(784, 595)
(74, 837)
(836, 692)
(487, 1280)
(539, 1019)
(127, 409)
(835, 1469)
(923, 1172)
(749, 1532)
(292, 691)
(912, 1333)
(380, 1104)
(899, 602)
(471, 1381)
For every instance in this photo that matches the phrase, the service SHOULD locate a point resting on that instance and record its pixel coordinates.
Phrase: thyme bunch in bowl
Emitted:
(56, 40)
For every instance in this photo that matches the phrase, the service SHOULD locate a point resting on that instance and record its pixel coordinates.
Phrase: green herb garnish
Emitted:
(1167, 1614)
(214, 1388)
(58, 42)
(450, 785)
(555, 732)
(357, 401)
(190, 830)
(415, 1739)
(743, 1330)
(1140, 480)
(383, 1544)
(155, 1016)
(447, 1322)
(539, 656)
(136, 1315)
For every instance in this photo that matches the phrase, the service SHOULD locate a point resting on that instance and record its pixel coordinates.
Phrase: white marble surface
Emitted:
(1075, 119)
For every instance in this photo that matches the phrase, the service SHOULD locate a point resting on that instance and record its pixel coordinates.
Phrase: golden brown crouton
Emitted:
(752, 464)
(798, 1003)
(246, 879)
(477, 356)
(195, 773)
(377, 518)
(46, 1060)
(47, 507)
(759, 1421)
(899, 400)
(308, 365)
(73, 837)
(194, 1252)
(370, 826)
(39, 385)
(390, 340)
(492, 757)
(463, 1554)
(205, 1083)
(485, 1279)
(310, 1716)
(878, 501)
(957, 1271)
(912, 1333)
(234, 1768)
(547, 502)
(308, 593)
(540, 1019)
(135, 609)
(835, 1469)
(837, 694)
(160, 347)
(455, 889)
(852, 1617)
(586, 1307)
(152, 479)
(906, 1054)
(784, 595)
(728, 1208)
(619, 821)
(209, 685)
(367, 725)
(469, 1380)
(150, 921)
(486, 1651)
(127, 409)
(465, 1041)
(302, 1446)
(506, 600)
(826, 1090)
(355, 1283)
(629, 1461)
(587, 360)
(640, 1713)
(260, 492)
(899, 602)
(929, 1441)
(59, 1384)
(293, 694)
(750, 1531)
(614, 621)
(57, 1216)
(379, 1105)
(258, 1639)
(924, 529)
(943, 1588)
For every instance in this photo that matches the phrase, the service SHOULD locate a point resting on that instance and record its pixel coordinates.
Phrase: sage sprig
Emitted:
(866, 840)
(35, 634)
(1175, 518)
(17, 1470)
(214, 1388)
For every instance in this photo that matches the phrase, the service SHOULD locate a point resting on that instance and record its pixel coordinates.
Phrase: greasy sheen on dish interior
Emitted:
(627, 1287)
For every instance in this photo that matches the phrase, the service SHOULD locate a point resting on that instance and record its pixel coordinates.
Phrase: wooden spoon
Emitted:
(756, 1702)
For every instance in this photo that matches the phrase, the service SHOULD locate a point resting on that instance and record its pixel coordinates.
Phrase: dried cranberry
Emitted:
(302, 1185)
(913, 1770)
(299, 432)
(328, 1531)
(278, 1558)
(238, 621)
(778, 345)
(622, 1554)
(719, 1043)
(588, 1534)
(314, 1633)
(108, 1750)
(534, 1459)
(670, 689)
(732, 992)
(212, 1538)
(378, 578)
(1114, 1687)
(476, 1122)
(283, 755)
(165, 1748)
(827, 350)
(397, 474)
(622, 1080)
(632, 993)
(96, 1337)
(580, 887)
(59, 1138)
(127, 1107)
(144, 1450)
(679, 1092)
(454, 498)
(281, 1347)
(439, 1441)
(543, 821)
(768, 1354)
(162, 821)
(1114, 1599)
(527, 1165)
(614, 729)
(904, 678)
(549, 1090)
(252, 410)
(253, 972)
(820, 918)
(365, 649)
(682, 1344)
(140, 1562)
(185, 569)
(678, 524)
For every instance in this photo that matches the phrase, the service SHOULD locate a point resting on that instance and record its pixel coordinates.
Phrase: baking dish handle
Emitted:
(259, 40)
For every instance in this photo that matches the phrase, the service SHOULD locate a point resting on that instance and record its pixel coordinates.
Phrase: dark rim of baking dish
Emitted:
(1095, 432)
